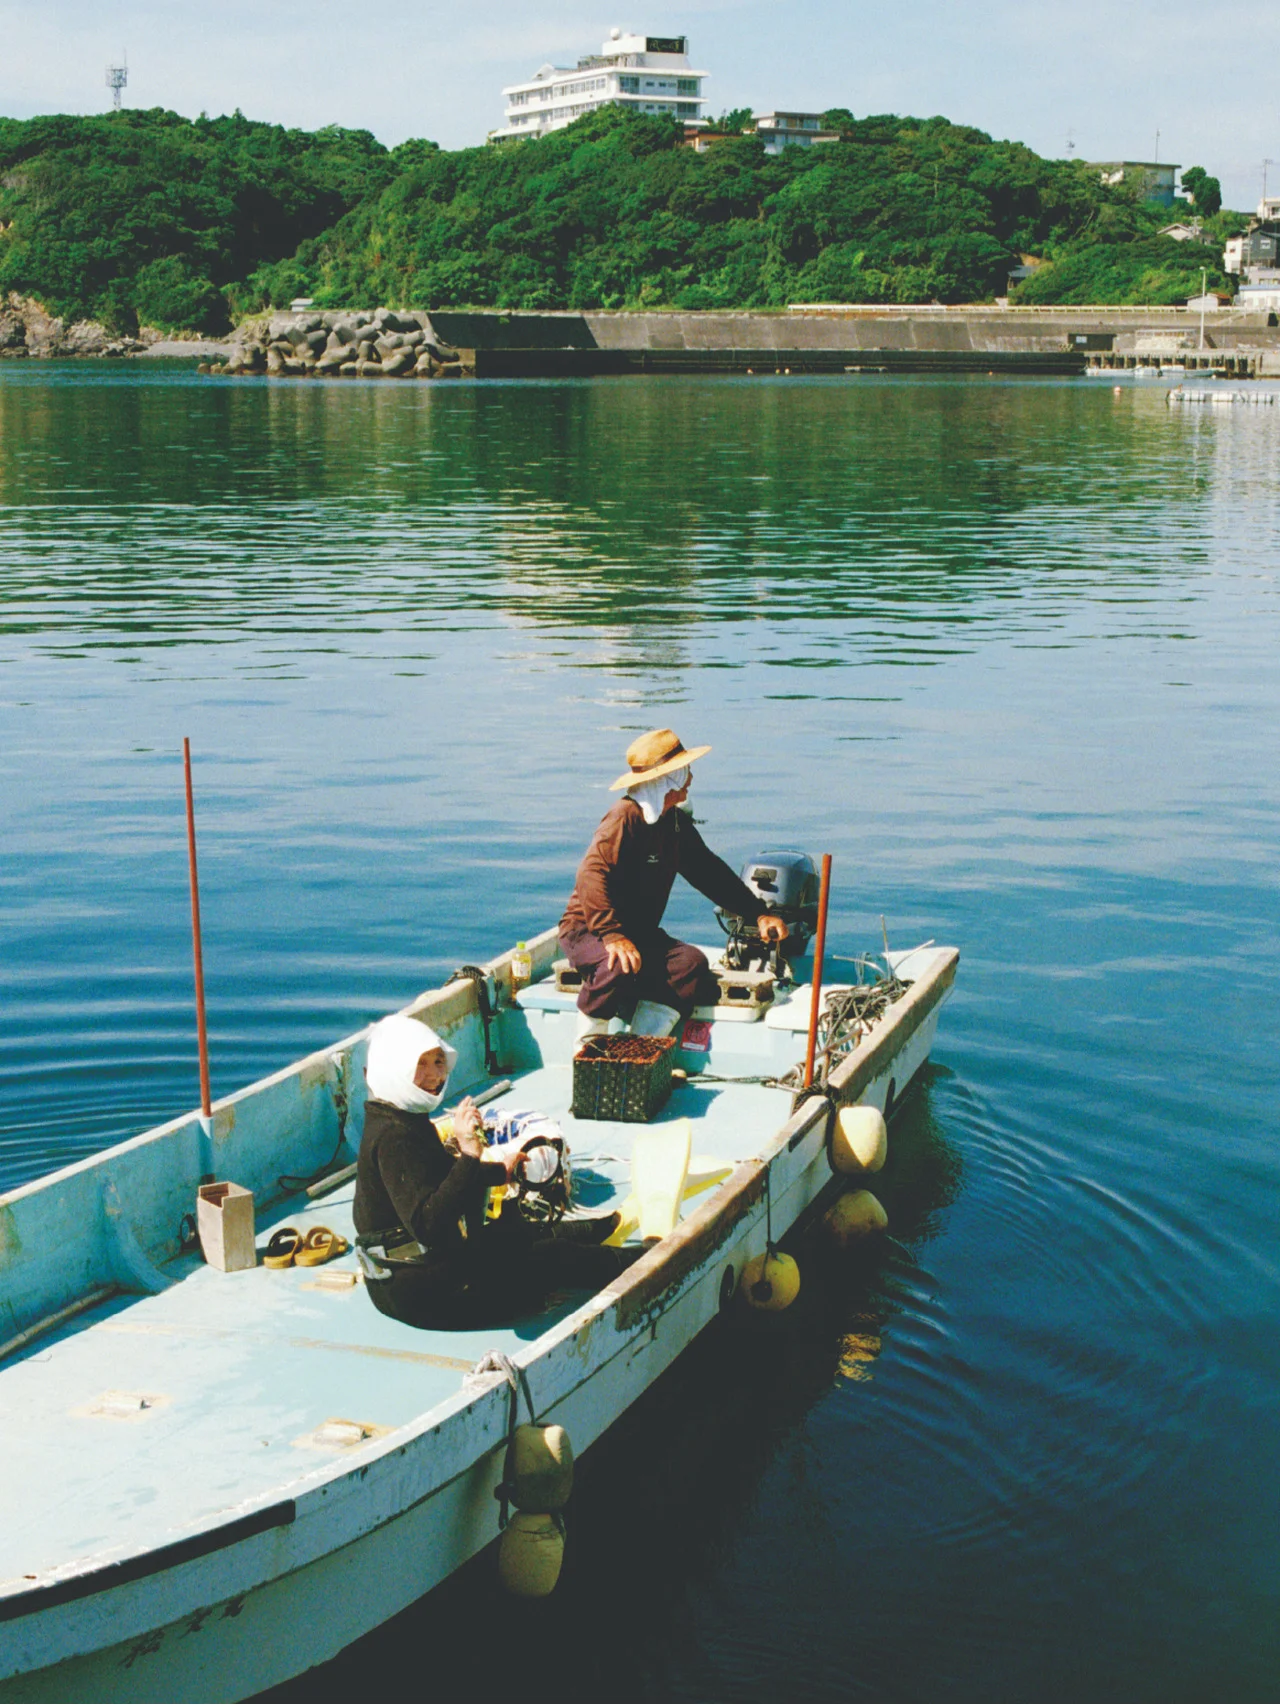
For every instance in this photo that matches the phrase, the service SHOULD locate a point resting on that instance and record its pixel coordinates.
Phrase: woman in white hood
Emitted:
(429, 1255)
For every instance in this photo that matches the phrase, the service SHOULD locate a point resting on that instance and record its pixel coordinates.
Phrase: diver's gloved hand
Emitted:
(468, 1130)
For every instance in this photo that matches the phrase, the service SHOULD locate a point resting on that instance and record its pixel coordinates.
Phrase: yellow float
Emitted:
(857, 1214)
(771, 1282)
(531, 1553)
(859, 1141)
(540, 1469)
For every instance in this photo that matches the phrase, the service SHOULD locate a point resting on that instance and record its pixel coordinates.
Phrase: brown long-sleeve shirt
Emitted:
(626, 876)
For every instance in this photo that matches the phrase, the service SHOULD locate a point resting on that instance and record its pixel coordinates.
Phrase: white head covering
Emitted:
(396, 1044)
(651, 796)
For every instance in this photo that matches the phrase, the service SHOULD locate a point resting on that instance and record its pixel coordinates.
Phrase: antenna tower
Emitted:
(117, 77)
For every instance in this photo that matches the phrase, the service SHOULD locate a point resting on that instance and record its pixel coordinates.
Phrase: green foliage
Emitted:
(1122, 258)
(737, 121)
(613, 212)
(1205, 191)
(1157, 271)
(147, 215)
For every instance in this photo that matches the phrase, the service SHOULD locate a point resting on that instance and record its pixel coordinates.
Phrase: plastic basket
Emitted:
(622, 1077)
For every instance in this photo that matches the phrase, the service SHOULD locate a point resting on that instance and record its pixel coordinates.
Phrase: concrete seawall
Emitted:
(828, 340)
(492, 344)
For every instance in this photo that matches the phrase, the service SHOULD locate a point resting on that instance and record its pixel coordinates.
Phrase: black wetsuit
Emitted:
(471, 1272)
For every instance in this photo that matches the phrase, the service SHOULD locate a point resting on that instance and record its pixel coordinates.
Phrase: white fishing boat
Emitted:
(216, 1480)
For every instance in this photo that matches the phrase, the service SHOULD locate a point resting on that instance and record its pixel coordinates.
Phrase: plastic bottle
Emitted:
(521, 967)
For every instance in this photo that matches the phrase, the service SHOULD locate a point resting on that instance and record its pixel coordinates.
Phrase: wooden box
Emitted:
(224, 1219)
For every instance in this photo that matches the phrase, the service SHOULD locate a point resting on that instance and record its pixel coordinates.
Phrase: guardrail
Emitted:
(874, 310)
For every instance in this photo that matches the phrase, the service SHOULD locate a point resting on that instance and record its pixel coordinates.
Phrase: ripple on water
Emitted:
(1007, 651)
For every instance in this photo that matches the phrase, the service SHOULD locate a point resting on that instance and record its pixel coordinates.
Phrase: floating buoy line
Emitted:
(1180, 395)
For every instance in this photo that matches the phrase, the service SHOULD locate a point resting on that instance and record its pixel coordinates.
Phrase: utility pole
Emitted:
(1204, 287)
(1265, 164)
(117, 77)
(1157, 158)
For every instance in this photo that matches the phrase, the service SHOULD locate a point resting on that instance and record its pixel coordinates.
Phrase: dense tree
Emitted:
(838, 118)
(1205, 192)
(613, 211)
(1155, 270)
(146, 215)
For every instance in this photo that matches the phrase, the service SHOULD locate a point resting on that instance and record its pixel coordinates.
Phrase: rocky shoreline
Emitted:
(27, 330)
(383, 343)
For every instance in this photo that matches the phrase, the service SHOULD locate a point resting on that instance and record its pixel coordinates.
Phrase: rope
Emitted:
(762, 1290)
(495, 1362)
(847, 1015)
(474, 974)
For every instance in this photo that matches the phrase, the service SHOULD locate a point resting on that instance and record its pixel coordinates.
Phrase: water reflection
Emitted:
(900, 508)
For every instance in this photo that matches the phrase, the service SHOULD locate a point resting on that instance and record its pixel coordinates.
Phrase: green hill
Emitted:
(148, 216)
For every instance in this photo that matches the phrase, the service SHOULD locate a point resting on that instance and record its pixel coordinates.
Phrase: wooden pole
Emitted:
(819, 948)
(202, 1032)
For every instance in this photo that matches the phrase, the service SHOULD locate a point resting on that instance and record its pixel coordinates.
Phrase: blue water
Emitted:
(1007, 650)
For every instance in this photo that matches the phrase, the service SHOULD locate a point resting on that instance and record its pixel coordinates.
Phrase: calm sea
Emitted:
(1009, 652)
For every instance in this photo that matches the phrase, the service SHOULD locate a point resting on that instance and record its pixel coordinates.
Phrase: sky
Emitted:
(1097, 78)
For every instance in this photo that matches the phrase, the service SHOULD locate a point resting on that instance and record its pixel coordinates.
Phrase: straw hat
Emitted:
(656, 754)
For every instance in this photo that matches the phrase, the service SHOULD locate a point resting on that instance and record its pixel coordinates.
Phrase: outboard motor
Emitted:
(787, 883)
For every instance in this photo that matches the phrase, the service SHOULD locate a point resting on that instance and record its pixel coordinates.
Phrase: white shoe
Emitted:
(651, 1018)
(590, 1027)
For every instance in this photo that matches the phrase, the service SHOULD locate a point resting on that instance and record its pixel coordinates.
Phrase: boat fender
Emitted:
(539, 1475)
(771, 1282)
(859, 1141)
(857, 1214)
(531, 1553)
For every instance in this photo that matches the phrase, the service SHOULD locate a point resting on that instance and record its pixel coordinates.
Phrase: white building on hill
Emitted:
(646, 73)
(779, 130)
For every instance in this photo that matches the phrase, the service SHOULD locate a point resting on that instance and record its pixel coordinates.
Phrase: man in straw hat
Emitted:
(612, 927)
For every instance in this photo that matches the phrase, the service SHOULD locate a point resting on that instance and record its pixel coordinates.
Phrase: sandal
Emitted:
(283, 1246)
(320, 1245)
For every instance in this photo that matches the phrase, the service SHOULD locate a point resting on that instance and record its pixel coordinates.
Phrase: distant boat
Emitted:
(216, 1481)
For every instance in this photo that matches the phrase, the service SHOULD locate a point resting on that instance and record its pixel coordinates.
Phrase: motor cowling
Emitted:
(787, 885)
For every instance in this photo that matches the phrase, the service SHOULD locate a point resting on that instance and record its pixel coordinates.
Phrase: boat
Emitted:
(218, 1480)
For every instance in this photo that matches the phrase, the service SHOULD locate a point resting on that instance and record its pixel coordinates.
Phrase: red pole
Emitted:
(819, 948)
(202, 1033)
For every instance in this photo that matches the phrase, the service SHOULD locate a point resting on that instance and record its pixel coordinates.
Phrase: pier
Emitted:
(832, 338)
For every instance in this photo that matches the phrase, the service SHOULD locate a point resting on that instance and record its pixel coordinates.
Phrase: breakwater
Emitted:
(384, 343)
(446, 343)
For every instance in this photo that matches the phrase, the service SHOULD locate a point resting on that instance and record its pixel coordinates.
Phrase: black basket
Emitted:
(622, 1077)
